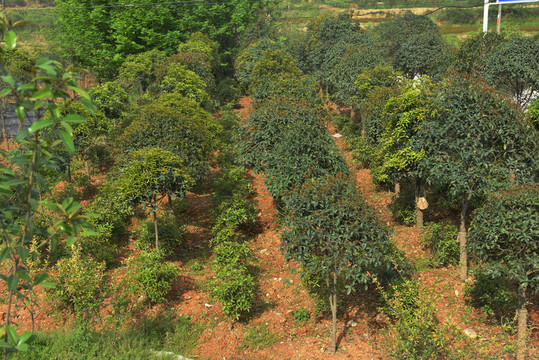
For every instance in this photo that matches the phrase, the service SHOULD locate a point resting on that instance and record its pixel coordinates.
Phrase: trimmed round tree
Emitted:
(177, 129)
(330, 229)
(477, 141)
(504, 236)
(149, 176)
(514, 68)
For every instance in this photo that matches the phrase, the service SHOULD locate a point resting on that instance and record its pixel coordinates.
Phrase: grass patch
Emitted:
(178, 336)
(457, 29)
(258, 337)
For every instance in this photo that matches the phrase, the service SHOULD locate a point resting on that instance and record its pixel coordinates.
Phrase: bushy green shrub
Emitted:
(152, 274)
(231, 181)
(441, 240)
(226, 234)
(231, 254)
(79, 283)
(170, 234)
(403, 206)
(238, 213)
(414, 331)
(235, 288)
(492, 293)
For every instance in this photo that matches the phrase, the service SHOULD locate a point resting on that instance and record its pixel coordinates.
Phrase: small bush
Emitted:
(362, 151)
(227, 234)
(79, 284)
(231, 254)
(492, 293)
(237, 213)
(403, 207)
(170, 234)
(232, 182)
(301, 315)
(151, 274)
(258, 337)
(415, 333)
(235, 289)
(441, 240)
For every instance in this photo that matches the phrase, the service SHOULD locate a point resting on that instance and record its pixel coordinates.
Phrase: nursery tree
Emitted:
(139, 71)
(474, 51)
(397, 158)
(514, 68)
(344, 62)
(329, 229)
(184, 134)
(474, 144)
(149, 175)
(111, 99)
(504, 235)
(423, 54)
(22, 183)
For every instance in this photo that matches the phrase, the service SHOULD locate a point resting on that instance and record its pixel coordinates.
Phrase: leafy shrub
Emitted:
(403, 206)
(362, 150)
(152, 274)
(235, 288)
(301, 315)
(237, 213)
(170, 234)
(441, 240)
(226, 234)
(231, 181)
(258, 337)
(231, 254)
(491, 292)
(415, 332)
(227, 91)
(79, 283)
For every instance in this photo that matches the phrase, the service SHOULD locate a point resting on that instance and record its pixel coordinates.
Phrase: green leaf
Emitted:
(70, 241)
(41, 277)
(5, 92)
(10, 38)
(49, 205)
(23, 253)
(12, 282)
(48, 285)
(9, 79)
(67, 140)
(4, 254)
(27, 338)
(43, 93)
(74, 119)
(40, 124)
(21, 113)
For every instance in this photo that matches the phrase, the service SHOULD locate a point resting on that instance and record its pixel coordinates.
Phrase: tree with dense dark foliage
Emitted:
(181, 133)
(514, 68)
(504, 236)
(330, 229)
(475, 144)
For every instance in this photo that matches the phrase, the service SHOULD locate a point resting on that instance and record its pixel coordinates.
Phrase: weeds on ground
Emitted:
(258, 337)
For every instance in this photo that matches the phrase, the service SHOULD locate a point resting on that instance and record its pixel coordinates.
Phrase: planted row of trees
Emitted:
(414, 120)
(328, 228)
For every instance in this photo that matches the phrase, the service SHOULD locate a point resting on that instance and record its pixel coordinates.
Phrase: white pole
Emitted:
(485, 16)
(499, 21)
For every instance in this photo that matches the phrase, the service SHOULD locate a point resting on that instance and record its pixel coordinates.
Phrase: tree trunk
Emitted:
(156, 230)
(169, 199)
(334, 315)
(462, 238)
(69, 171)
(397, 188)
(354, 115)
(522, 327)
(418, 211)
